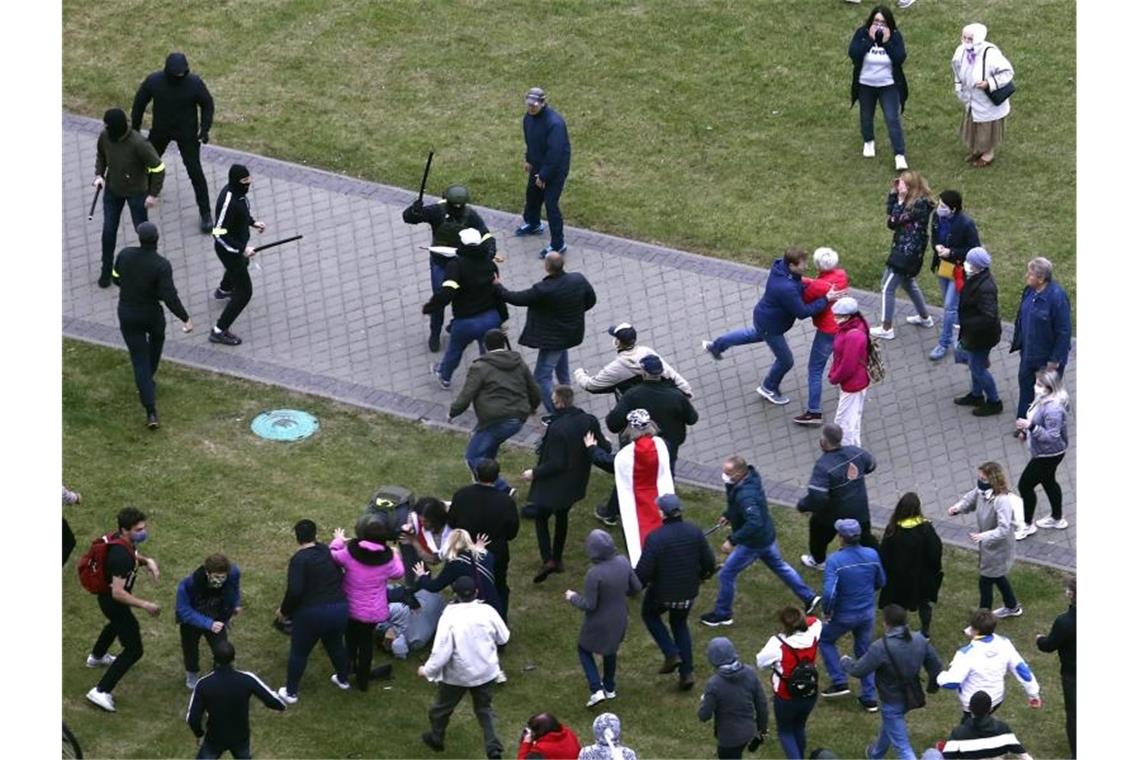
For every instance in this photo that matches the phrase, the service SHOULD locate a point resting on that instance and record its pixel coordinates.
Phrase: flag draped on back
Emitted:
(641, 474)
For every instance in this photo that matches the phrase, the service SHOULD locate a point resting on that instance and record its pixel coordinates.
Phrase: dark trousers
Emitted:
(437, 270)
(121, 625)
(211, 751)
(191, 635)
(236, 282)
(536, 197)
(1026, 378)
(681, 644)
(324, 623)
(144, 331)
(730, 752)
(888, 98)
(191, 150)
(502, 563)
(447, 698)
(986, 592)
(791, 724)
(608, 679)
(542, 533)
(68, 541)
(1041, 471)
(1069, 693)
(925, 616)
(112, 212)
(821, 531)
(358, 638)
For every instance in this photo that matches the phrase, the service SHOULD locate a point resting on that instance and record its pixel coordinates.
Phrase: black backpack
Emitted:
(390, 506)
(803, 681)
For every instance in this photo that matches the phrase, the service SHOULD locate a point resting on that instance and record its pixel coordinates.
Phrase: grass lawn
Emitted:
(717, 127)
(207, 484)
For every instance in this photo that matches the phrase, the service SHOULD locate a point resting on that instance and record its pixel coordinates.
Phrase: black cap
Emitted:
(464, 588)
(652, 365)
(148, 233)
(624, 332)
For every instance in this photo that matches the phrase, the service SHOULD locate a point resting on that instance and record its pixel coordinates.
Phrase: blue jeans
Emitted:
(681, 645)
(325, 623)
(609, 671)
(981, 381)
(464, 331)
(821, 346)
(950, 311)
(888, 98)
(791, 724)
(891, 281)
(776, 342)
(484, 444)
(536, 197)
(551, 361)
(863, 628)
(437, 272)
(893, 733)
(112, 212)
(743, 556)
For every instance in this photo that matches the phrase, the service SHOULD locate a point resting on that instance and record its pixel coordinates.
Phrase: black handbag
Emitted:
(1001, 94)
(913, 696)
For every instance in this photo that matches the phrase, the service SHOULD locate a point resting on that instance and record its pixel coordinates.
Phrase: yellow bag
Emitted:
(946, 269)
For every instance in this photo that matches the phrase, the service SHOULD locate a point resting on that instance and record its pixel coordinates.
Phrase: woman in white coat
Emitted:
(980, 68)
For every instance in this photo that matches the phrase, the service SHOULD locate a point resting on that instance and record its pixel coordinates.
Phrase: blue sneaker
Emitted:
(550, 249)
(938, 352)
(775, 397)
(529, 229)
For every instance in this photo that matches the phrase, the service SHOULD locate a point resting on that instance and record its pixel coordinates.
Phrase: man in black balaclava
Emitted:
(146, 282)
(131, 171)
(177, 96)
(231, 243)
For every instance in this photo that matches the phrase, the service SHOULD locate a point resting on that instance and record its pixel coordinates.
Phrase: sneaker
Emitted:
(595, 698)
(809, 418)
(512, 492)
(339, 683)
(206, 224)
(988, 409)
(900, 165)
(101, 699)
(433, 344)
(879, 332)
(445, 384)
(152, 420)
(225, 337)
(603, 518)
(906, 3)
(914, 319)
(870, 705)
(1044, 522)
(969, 631)
(428, 738)
(712, 620)
(938, 352)
(707, 345)
(836, 690)
(501, 677)
(611, 695)
(550, 249)
(1005, 612)
(93, 662)
(809, 561)
(969, 400)
(810, 605)
(191, 680)
(685, 682)
(221, 295)
(1024, 533)
(529, 229)
(286, 697)
(104, 281)
(868, 147)
(773, 396)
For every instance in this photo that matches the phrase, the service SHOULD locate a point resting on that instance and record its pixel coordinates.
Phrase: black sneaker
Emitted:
(970, 400)
(836, 690)
(712, 620)
(152, 420)
(870, 705)
(427, 738)
(601, 516)
(988, 409)
(809, 418)
(105, 281)
(433, 344)
(225, 337)
(206, 224)
(221, 295)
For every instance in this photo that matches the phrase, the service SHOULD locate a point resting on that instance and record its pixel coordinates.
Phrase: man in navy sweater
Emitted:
(547, 162)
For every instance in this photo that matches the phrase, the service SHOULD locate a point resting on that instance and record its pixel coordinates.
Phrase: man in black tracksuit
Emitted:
(177, 96)
(1062, 639)
(231, 242)
(145, 283)
(481, 508)
(224, 693)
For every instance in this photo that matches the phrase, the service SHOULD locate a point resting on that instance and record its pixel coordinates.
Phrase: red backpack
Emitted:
(92, 566)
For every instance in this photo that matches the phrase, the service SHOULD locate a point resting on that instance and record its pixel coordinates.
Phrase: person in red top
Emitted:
(798, 643)
(544, 737)
(849, 368)
(830, 277)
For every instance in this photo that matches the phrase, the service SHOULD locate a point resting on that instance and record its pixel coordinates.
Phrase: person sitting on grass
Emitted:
(607, 741)
(544, 738)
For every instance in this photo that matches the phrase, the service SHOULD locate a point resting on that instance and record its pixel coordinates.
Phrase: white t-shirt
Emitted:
(876, 71)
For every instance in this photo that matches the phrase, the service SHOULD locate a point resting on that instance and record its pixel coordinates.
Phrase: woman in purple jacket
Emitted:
(368, 565)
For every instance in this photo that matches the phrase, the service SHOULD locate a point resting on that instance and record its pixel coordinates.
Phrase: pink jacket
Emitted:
(849, 356)
(367, 568)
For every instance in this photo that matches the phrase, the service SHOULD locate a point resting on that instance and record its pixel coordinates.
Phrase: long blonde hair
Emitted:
(459, 541)
(1053, 388)
(916, 187)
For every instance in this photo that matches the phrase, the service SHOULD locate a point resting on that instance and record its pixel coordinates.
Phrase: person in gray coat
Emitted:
(607, 584)
(734, 698)
(995, 537)
(895, 659)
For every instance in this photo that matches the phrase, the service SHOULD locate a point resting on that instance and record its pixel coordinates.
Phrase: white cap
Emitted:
(845, 306)
(470, 236)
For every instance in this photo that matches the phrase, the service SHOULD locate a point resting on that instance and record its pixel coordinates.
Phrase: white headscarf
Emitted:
(979, 34)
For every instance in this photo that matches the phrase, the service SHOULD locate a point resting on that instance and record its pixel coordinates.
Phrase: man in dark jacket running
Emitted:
(674, 560)
(735, 701)
(233, 221)
(178, 95)
(224, 695)
(546, 163)
(667, 405)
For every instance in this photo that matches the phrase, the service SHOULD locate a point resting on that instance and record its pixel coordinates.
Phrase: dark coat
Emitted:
(783, 301)
(908, 247)
(666, 404)
(1062, 639)
(556, 313)
(547, 144)
(912, 559)
(861, 44)
(835, 489)
(176, 102)
(1044, 326)
(608, 582)
(563, 470)
(482, 509)
(960, 236)
(747, 512)
(675, 559)
(978, 313)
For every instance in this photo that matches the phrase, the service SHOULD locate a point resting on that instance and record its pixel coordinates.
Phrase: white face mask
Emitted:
(1040, 389)
(726, 478)
(970, 269)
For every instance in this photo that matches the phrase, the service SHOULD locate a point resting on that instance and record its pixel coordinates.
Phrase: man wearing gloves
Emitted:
(734, 699)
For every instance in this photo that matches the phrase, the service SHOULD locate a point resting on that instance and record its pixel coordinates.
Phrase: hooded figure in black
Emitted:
(231, 243)
(178, 95)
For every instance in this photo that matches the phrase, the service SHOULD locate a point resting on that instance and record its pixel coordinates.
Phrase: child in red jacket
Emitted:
(849, 368)
(830, 276)
(544, 737)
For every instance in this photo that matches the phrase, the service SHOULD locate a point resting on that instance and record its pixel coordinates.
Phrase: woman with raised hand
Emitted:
(877, 53)
(909, 204)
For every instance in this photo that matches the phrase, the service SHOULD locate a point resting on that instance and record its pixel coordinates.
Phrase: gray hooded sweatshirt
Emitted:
(608, 583)
(733, 697)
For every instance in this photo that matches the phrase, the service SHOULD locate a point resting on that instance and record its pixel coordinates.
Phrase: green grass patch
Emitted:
(716, 127)
(208, 484)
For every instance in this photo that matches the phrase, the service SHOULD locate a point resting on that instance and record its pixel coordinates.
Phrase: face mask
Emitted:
(138, 536)
(983, 485)
(617, 345)
(970, 270)
(215, 581)
(726, 478)
(1039, 389)
(943, 211)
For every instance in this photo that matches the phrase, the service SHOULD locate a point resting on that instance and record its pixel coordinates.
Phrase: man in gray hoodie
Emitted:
(734, 699)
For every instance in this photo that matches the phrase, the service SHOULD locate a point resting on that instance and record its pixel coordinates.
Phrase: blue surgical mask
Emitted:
(943, 211)
(983, 485)
(138, 536)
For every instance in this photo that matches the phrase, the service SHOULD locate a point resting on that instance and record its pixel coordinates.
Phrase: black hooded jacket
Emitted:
(176, 101)
(467, 284)
(145, 278)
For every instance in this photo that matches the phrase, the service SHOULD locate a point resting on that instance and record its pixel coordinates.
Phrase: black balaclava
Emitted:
(238, 172)
(177, 67)
(115, 120)
(148, 235)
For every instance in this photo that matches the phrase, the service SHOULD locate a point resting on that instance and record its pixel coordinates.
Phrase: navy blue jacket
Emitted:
(961, 235)
(783, 302)
(861, 44)
(851, 576)
(747, 512)
(196, 604)
(1044, 326)
(675, 559)
(547, 144)
(837, 487)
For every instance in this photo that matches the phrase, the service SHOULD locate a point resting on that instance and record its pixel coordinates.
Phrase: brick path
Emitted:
(338, 315)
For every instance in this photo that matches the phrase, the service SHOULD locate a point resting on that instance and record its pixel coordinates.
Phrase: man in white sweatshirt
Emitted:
(982, 664)
(465, 658)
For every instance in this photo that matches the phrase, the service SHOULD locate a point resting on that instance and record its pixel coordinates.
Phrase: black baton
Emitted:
(276, 243)
(91, 213)
(423, 182)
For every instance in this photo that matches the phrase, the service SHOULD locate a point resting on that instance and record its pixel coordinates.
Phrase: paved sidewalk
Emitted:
(338, 314)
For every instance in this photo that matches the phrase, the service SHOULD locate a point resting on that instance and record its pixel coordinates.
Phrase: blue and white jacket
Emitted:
(981, 665)
(851, 577)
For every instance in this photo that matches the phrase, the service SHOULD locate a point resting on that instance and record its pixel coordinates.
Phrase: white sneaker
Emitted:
(595, 698)
(106, 659)
(286, 697)
(879, 332)
(501, 677)
(1006, 612)
(1046, 522)
(906, 3)
(914, 319)
(344, 685)
(611, 695)
(809, 561)
(1024, 533)
(900, 162)
(776, 398)
(868, 147)
(101, 699)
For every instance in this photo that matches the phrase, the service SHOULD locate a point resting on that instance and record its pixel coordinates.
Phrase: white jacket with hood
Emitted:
(998, 72)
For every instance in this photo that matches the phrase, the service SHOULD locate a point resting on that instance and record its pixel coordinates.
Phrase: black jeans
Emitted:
(501, 565)
(68, 541)
(730, 752)
(1069, 692)
(986, 592)
(209, 751)
(447, 697)
(821, 531)
(191, 635)
(1040, 471)
(121, 625)
(542, 533)
(358, 638)
(191, 150)
(236, 282)
(112, 212)
(144, 330)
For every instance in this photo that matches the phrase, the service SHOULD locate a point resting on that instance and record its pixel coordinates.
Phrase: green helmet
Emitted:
(456, 195)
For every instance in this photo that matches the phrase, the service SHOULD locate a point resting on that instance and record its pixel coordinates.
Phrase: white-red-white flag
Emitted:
(641, 474)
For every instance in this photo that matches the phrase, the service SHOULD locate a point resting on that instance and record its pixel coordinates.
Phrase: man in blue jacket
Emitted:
(753, 538)
(773, 315)
(547, 162)
(851, 577)
(1043, 329)
(204, 604)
